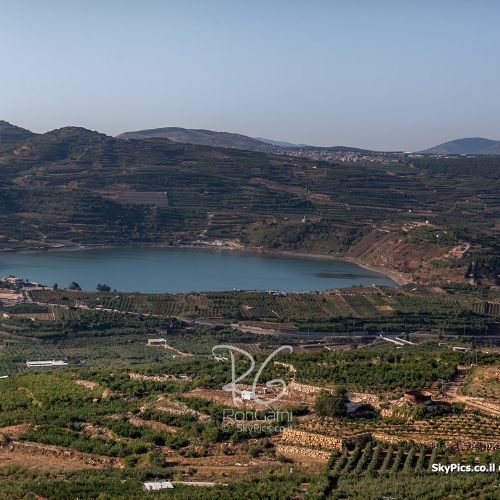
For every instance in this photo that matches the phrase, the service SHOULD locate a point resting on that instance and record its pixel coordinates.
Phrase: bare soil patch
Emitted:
(52, 464)
(384, 308)
(52, 458)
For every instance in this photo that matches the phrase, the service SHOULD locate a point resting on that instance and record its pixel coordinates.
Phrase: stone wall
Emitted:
(311, 439)
(387, 438)
(366, 398)
(158, 378)
(451, 445)
(320, 441)
(294, 388)
(304, 452)
(483, 402)
(469, 445)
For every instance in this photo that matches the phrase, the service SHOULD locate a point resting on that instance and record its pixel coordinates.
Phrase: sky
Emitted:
(383, 75)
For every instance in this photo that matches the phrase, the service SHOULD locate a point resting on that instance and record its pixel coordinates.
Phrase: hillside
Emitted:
(201, 137)
(10, 134)
(236, 141)
(73, 186)
(475, 145)
(282, 144)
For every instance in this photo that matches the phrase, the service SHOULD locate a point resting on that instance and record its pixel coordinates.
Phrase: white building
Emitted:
(156, 342)
(247, 395)
(158, 485)
(43, 364)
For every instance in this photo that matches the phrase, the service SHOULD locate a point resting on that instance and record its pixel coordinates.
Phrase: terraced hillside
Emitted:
(74, 186)
(10, 134)
(364, 309)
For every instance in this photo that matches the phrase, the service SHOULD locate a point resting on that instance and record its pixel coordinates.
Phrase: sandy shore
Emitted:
(395, 276)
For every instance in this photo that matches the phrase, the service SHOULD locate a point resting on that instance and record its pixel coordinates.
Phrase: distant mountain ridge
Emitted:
(469, 145)
(201, 137)
(11, 134)
(282, 144)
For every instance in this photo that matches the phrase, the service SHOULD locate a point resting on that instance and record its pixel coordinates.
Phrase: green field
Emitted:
(368, 309)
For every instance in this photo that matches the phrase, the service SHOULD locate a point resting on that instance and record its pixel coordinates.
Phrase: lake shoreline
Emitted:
(393, 275)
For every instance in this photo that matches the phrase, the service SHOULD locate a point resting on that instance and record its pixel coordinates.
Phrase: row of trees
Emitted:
(75, 286)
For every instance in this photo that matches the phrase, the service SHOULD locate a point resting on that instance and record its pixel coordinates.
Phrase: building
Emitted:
(45, 364)
(462, 349)
(14, 281)
(247, 395)
(417, 397)
(156, 342)
(158, 485)
(361, 410)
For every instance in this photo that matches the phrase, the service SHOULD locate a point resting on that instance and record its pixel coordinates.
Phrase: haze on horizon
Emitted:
(378, 75)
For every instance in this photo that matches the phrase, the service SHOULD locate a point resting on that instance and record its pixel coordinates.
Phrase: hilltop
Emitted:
(10, 134)
(201, 137)
(283, 144)
(471, 145)
(236, 141)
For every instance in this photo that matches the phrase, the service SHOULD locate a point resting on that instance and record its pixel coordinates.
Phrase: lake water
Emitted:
(173, 270)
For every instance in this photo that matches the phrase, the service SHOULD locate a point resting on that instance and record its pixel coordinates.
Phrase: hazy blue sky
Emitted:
(375, 74)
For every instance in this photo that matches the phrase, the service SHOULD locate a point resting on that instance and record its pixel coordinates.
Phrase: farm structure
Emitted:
(247, 395)
(43, 364)
(417, 397)
(158, 485)
(462, 349)
(156, 342)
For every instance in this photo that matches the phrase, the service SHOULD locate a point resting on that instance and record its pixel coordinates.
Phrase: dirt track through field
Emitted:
(451, 393)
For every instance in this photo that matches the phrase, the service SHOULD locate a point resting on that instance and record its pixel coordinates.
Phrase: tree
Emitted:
(328, 405)
(103, 288)
(253, 452)
(131, 461)
(55, 286)
(74, 286)
(157, 459)
(339, 390)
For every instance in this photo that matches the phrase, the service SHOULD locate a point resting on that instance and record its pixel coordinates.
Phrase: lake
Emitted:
(173, 270)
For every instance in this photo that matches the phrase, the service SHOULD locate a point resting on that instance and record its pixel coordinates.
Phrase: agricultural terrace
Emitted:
(443, 427)
(164, 429)
(165, 420)
(61, 179)
(369, 309)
